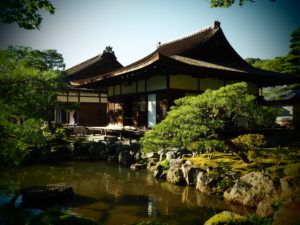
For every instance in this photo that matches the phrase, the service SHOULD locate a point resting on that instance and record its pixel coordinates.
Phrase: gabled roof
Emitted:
(100, 64)
(201, 53)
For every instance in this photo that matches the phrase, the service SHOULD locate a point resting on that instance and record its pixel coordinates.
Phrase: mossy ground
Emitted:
(272, 161)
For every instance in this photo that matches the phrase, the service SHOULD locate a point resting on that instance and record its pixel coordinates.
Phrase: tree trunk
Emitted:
(233, 148)
(237, 150)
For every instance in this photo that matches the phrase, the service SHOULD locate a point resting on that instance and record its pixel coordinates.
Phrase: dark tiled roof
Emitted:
(206, 49)
(99, 64)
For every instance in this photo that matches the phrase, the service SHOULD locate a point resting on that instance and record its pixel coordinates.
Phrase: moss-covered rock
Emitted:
(227, 218)
(175, 176)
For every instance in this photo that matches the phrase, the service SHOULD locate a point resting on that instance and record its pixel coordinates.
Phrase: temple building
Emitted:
(141, 93)
(91, 103)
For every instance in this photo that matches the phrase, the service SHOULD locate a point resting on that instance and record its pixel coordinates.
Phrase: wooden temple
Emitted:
(92, 103)
(141, 93)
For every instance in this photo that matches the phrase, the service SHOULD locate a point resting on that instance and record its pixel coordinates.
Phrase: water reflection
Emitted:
(115, 195)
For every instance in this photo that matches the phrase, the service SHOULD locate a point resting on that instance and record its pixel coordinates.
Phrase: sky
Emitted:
(81, 29)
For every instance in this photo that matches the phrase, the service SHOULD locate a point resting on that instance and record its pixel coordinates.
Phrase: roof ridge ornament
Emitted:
(214, 25)
(108, 49)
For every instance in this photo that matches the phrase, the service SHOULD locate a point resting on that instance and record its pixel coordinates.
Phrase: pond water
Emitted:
(115, 195)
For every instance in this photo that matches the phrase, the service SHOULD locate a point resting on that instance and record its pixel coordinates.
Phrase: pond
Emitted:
(116, 195)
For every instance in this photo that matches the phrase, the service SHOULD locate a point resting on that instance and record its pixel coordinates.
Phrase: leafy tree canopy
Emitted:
(41, 60)
(228, 3)
(26, 13)
(29, 86)
(27, 91)
(203, 118)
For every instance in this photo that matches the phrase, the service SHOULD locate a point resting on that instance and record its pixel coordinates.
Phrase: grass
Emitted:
(272, 161)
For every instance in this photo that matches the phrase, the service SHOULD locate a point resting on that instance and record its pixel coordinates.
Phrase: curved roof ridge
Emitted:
(213, 25)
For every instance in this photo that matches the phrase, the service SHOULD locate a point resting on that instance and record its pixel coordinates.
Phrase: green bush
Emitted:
(19, 140)
(250, 141)
(292, 170)
(62, 132)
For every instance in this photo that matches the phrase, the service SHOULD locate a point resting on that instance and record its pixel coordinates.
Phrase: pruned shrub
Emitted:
(250, 141)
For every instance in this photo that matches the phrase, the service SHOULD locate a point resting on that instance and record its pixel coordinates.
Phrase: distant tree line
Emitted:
(289, 64)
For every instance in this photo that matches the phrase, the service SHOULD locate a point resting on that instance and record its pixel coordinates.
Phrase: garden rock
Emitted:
(207, 183)
(158, 171)
(290, 189)
(250, 189)
(175, 176)
(137, 166)
(170, 155)
(162, 156)
(125, 158)
(190, 173)
(51, 192)
(265, 208)
(177, 163)
(60, 152)
(97, 151)
(152, 155)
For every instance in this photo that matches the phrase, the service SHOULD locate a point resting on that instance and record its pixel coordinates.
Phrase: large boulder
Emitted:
(214, 181)
(50, 192)
(250, 189)
(175, 176)
(225, 218)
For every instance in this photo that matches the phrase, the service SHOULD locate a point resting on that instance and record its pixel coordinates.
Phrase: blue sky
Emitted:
(81, 29)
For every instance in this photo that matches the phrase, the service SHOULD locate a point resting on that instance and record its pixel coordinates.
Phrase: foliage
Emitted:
(292, 170)
(203, 118)
(18, 141)
(294, 54)
(165, 164)
(28, 92)
(250, 141)
(225, 219)
(42, 60)
(25, 13)
(62, 132)
(253, 220)
(289, 64)
(228, 3)
(57, 217)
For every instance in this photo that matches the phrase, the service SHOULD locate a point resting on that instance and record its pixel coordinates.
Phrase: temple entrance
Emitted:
(128, 112)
